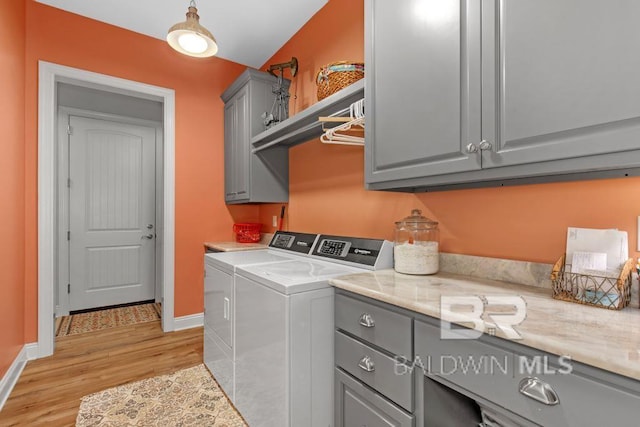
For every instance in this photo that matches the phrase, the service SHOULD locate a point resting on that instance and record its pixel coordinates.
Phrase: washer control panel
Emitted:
(301, 243)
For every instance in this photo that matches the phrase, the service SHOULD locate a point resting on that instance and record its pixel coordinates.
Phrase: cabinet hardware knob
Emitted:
(538, 390)
(485, 145)
(472, 148)
(366, 320)
(366, 364)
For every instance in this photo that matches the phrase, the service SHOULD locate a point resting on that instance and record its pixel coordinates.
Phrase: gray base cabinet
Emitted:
(451, 381)
(248, 177)
(357, 405)
(373, 344)
(535, 387)
(467, 92)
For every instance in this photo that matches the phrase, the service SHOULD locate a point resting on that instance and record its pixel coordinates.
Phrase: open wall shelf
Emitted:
(305, 126)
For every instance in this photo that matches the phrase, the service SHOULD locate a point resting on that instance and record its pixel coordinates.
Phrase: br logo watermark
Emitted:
(481, 314)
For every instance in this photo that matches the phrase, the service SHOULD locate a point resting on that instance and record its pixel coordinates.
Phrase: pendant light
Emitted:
(191, 38)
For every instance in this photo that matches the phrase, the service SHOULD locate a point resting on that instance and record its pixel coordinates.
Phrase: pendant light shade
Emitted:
(191, 38)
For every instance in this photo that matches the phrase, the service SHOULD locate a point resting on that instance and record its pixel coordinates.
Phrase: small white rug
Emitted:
(189, 397)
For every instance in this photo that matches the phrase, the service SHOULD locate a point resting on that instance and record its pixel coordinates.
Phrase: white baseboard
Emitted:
(187, 322)
(28, 352)
(32, 351)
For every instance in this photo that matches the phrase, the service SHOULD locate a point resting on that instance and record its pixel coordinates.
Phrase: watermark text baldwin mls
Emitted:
(485, 364)
(501, 313)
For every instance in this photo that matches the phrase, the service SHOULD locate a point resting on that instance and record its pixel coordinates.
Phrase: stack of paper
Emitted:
(597, 252)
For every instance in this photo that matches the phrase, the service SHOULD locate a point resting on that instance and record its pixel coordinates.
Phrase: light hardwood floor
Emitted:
(49, 390)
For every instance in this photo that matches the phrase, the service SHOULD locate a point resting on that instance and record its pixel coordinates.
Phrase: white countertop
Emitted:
(235, 246)
(607, 339)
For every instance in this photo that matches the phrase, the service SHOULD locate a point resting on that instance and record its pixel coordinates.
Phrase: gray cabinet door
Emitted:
(561, 79)
(357, 405)
(249, 177)
(237, 150)
(422, 89)
(229, 154)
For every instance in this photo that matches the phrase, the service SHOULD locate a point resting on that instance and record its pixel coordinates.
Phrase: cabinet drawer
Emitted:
(375, 369)
(382, 327)
(498, 375)
(581, 400)
(357, 405)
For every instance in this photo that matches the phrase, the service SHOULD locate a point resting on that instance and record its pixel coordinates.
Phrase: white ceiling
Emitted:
(247, 31)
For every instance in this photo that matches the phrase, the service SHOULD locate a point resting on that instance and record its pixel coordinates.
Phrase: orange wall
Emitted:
(335, 33)
(327, 182)
(12, 29)
(201, 215)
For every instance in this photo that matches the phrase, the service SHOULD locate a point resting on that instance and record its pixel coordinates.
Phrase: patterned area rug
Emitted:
(189, 397)
(109, 318)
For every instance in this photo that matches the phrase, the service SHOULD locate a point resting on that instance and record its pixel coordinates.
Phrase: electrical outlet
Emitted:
(275, 220)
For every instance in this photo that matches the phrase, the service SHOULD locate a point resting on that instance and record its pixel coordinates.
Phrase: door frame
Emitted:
(62, 164)
(48, 75)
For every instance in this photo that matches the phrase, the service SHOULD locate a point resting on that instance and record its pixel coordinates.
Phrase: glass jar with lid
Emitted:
(416, 246)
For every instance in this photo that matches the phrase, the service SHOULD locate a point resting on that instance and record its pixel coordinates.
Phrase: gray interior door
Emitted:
(112, 213)
(422, 89)
(561, 79)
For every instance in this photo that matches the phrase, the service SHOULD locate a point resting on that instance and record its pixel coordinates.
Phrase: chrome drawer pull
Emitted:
(538, 390)
(366, 320)
(366, 364)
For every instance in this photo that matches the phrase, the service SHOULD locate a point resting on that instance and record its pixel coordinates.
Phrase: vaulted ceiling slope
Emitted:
(248, 32)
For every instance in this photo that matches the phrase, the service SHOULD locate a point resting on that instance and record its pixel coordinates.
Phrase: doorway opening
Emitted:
(120, 134)
(109, 199)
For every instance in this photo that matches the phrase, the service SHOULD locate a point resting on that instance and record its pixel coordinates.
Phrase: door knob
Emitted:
(148, 236)
(149, 226)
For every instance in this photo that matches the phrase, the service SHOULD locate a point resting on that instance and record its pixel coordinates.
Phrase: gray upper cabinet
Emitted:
(468, 92)
(249, 177)
(422, 88)
(561, 79)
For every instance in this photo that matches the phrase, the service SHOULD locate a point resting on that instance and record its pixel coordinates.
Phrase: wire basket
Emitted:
(247, 232)
(608, 292)
(338, 75)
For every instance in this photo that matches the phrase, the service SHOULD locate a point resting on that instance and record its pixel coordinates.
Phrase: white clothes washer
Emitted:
(284, 331)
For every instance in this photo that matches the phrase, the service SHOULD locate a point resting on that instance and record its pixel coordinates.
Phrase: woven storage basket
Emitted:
(607, 292)
(338, 75)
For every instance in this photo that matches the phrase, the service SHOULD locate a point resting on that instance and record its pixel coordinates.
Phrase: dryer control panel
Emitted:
(367, 253)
